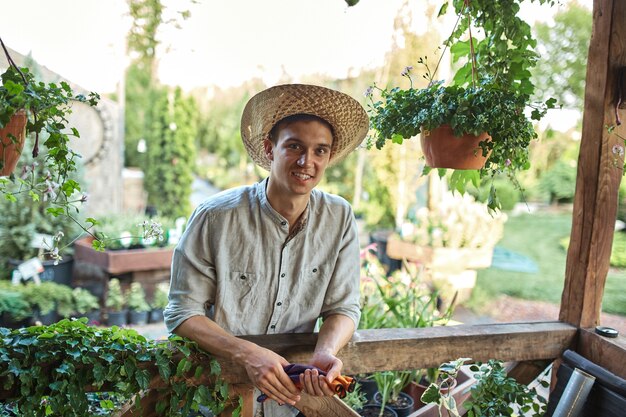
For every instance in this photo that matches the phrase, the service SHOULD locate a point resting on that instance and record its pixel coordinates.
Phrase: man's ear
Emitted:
(269, 149)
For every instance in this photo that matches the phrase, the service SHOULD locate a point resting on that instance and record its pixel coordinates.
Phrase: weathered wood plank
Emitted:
(599, 170)
(393, 349)
(605, 352)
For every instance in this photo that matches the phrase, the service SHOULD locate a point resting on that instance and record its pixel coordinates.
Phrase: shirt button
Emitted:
(283, 223)
(273, 326)
(314, 270)
(242, 277)
(282, 275)
(279, 303)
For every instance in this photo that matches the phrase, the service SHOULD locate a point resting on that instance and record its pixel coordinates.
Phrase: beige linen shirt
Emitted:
(235, 257)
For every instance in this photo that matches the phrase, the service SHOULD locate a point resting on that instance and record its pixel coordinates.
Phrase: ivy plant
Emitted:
(490, 92)
(46, 370)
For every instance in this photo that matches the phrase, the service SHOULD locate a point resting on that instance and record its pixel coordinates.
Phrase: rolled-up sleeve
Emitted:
(343, 293)
(193, 279)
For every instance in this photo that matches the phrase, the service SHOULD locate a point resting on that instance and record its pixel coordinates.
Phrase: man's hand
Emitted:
(315, 384)
(265, 370)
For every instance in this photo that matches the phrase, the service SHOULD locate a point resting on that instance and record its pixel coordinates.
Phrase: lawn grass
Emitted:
(537, 237)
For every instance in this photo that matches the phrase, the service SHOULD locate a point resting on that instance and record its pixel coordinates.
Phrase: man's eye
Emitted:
(293, 146)
(322, 151)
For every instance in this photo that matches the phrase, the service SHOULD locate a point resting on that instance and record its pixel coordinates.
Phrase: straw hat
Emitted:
(347, 117)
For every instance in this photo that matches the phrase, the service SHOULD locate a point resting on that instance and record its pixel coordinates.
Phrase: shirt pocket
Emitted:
(312, 286)
(240, 296)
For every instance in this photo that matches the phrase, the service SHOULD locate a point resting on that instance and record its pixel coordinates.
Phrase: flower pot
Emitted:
(123, 261)
(61, 273)
(117, 318)
(444, 150)
(402, 406)
(460, 391)
(6, 320)
(10, 151)
(373, 410)
(156, 315)
(46, 319)
(368, 388)
(138, 318)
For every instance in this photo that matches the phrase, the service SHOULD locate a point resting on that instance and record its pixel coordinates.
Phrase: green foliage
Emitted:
(84, 301)
(356, 398)
(21, 220)
(491, 97)
(115, 300)
(45, 297)
(129, 231)
(137, 298)
(13, 304)
(161, 295)
(559, 182)
(495, 394)
(438, 392)
(171, 154)
(47, 368)
(566, 42)
(390, 385)
(508, 194)
(618, 250)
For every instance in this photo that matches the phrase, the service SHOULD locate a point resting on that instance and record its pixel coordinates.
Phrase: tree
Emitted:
(171, 154)
(566, 43)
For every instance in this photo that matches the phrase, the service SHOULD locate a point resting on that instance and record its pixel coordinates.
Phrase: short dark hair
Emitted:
(300, 117)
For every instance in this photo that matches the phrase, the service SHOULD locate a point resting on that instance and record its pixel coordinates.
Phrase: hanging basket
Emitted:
(11, 149)
(444, 150)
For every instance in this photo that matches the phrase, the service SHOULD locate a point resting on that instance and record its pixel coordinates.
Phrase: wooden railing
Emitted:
(397, 349)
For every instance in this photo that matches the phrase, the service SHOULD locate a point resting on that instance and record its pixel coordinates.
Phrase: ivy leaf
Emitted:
(443, 9)
(397, 138)
(431, 395)
(56, 211)
(143, 378)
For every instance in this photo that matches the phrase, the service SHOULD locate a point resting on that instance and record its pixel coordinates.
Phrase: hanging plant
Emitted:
(490, 94)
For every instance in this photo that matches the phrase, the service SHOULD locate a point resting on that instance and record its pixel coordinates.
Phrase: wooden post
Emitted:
(600, 166)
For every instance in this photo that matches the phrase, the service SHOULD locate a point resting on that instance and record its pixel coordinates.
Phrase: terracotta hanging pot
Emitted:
(10, 151)
(444, 150)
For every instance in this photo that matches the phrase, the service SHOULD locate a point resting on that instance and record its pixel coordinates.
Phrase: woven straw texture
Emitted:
(347, 117)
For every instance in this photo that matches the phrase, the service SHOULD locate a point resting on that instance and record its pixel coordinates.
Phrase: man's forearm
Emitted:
(213, 338)
(335, 332)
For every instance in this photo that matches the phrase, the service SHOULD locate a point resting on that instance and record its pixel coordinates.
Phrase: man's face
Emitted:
(299, 157)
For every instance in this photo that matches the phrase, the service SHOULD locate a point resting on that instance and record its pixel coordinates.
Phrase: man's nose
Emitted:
(303, 159)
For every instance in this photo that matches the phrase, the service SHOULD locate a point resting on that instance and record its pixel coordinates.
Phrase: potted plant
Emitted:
(86, 305)
(137, 304)
(15, 312)
(390, 385)
(44, 108)
(491, 393)
(486, 104)
(141, 245)
(117, 314)
(159, 302)
(41, 301)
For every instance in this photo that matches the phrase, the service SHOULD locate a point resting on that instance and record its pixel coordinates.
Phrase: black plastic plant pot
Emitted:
(117, 318)
(156, 315)
(139, 318)
(46, 319)
(373, 410)
(403, 406)
(369, 388)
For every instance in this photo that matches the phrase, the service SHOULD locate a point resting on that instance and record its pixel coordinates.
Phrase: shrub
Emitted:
(137, 298)
(115, 300)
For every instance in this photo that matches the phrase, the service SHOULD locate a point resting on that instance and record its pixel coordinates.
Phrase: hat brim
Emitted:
(346, 115)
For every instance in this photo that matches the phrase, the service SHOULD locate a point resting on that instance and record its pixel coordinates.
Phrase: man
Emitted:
(275, 256)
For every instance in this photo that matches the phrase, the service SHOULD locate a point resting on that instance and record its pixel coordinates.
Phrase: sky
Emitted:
(223, 43)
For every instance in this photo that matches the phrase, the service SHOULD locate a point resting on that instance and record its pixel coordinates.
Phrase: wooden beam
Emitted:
(599, 170)
(605, 352)
(395, 349)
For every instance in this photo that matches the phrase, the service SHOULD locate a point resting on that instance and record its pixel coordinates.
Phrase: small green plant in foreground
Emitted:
(46, 369)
